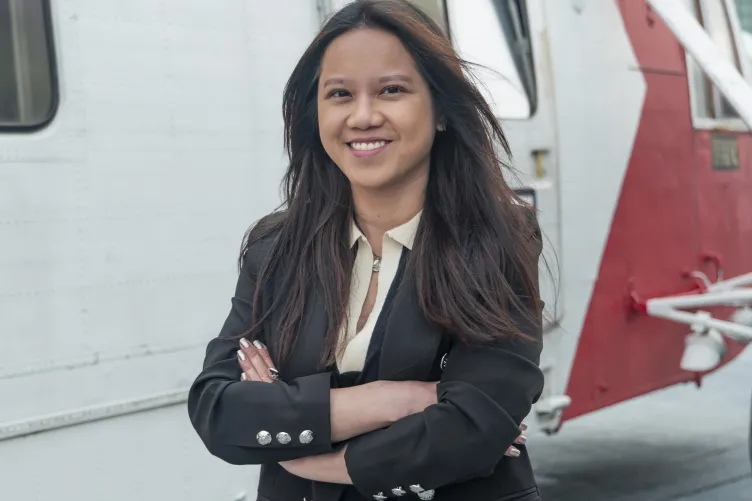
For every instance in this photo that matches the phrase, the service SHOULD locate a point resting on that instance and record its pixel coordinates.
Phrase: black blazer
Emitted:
(454, 448)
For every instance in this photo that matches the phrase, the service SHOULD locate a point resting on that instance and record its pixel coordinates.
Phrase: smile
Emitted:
(367, 149)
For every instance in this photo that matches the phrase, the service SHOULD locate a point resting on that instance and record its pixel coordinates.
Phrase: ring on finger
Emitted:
(274, 373)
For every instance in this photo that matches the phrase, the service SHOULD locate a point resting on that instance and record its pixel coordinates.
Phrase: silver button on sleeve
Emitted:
(398, 491)
(264, 437)
(417, 489)
(379, 497)
(283, 438)
(427, 495)
(306, 437)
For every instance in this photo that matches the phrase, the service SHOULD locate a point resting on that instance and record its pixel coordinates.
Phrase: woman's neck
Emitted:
(378, 212)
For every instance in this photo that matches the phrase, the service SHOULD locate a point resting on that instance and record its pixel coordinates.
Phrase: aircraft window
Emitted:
(744, 10)
(436, 9)
(495, 34)
(708, 101)
(27, 78)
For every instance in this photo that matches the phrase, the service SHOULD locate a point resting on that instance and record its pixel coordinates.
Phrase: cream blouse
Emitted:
(353, 357)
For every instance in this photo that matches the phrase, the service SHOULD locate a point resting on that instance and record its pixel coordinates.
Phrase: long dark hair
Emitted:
(475, 257)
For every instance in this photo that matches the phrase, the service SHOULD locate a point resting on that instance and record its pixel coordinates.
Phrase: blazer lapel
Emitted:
(410, 343)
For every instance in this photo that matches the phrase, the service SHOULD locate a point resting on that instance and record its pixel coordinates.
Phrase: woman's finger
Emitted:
(522, 440)
(261, 368)
(512, 452)
(264, 367)
(264, 352)
(257, 362)
(245, 365)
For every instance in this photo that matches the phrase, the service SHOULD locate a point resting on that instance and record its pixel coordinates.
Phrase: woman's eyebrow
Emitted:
(334, 81)
(390, 78)
(387, 78)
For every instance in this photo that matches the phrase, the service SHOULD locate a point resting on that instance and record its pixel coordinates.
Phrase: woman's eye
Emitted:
(392, 89)
(338, 93)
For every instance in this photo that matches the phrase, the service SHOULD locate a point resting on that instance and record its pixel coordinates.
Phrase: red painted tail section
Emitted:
(673, 207)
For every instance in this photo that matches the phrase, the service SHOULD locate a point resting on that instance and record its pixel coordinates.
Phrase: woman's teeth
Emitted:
(367, 146)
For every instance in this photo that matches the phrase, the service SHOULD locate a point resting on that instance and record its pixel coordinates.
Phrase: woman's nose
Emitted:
(364, 115)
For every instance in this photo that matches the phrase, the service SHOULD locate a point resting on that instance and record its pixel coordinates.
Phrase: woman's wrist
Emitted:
(394, 400)
(361, 409)
(404, 398)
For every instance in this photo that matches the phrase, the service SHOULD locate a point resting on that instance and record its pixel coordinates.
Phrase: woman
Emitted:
(384, 337)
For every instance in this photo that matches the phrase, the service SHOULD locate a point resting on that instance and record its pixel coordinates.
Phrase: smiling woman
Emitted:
(376, 118)
(385, 333)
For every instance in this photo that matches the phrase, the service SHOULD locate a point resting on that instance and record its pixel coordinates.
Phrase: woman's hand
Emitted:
(521, 439)
(256, 363)
(415, 396)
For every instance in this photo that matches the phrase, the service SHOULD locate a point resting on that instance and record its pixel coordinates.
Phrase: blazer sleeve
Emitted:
(248, 422)
(484, 394)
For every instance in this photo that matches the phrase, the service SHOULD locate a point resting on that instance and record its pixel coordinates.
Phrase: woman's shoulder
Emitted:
(259, 240)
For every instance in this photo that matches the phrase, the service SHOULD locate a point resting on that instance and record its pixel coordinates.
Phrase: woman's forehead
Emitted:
(367, 53)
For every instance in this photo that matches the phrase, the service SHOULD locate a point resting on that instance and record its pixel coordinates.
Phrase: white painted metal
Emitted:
(88, 415)
(732, 283)
(95, 358)
(735, 292)
(590, 152)
(120, 224)
(550, 407)
(704, 349)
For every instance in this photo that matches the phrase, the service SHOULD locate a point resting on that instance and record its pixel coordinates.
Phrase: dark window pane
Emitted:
(27, 88)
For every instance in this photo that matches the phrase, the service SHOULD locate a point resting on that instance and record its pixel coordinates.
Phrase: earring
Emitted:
(441, 127)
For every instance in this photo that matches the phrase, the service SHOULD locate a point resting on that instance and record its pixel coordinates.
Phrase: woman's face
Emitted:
(376, 118)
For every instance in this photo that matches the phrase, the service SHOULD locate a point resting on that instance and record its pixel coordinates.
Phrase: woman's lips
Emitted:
(367, 148)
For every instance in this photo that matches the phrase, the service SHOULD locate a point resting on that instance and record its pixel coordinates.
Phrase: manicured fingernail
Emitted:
(245, 343)
(243, 377)
(523, 427)
(241, 355)
(514, 452)
(522, 440)
(259, 345)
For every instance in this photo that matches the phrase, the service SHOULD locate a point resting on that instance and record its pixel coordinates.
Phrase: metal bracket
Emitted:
(548, 412)
(553, 404)
(735, 292)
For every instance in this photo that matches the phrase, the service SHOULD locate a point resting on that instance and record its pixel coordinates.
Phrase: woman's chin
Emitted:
(372, 181)
(386, 178)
